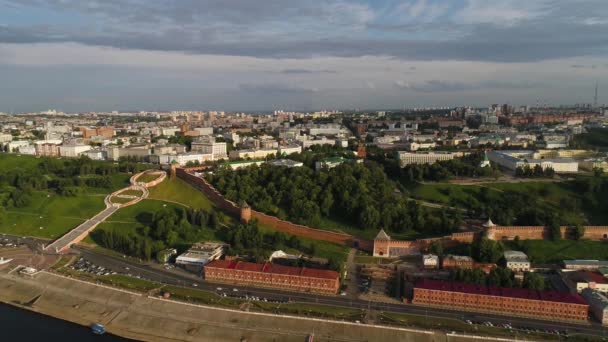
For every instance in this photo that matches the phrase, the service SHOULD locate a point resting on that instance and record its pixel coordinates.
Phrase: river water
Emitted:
(22, 325)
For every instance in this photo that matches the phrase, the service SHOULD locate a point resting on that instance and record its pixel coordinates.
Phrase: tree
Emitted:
(578, 232)
(437, 248)
(555, 232)
(533, 281)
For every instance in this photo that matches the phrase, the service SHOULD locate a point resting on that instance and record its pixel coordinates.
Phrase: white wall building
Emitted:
(253, 154)
(16, 145)
(513, 159)
(406, 158)
(287, 150)
(210, 146)
(430, 261)
(200, 254)
(598, 305)
(72, 150)
(517, 261)
(183, 158)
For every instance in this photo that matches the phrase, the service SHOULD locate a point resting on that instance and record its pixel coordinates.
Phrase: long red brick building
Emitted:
(288, 278)
(503, 301)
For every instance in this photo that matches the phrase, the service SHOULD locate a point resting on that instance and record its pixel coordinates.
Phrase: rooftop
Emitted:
(549, 296)
(274, 269)
(586, 263)
(382, 235)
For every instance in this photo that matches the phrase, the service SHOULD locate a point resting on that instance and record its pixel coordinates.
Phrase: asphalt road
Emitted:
(182, 278)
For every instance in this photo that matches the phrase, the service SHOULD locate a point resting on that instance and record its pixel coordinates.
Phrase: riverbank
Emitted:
(139, 317)
(19, 324)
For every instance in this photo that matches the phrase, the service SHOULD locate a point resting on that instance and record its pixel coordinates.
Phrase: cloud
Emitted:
(439, 86)
(581, 66)
(479, 30)
(276, 88)
(307, 71)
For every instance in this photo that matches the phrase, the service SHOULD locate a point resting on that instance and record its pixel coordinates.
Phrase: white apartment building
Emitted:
(414, 146)
(210, 146)
(513, 159)
(598, 304)
(17, 145)
(204, 130)
(308, 143)
(4, 138)
(517, 261)
(169, 131)
(183, 158)
(73, 150)
(253, 154)
(407, 158)
(287, 150)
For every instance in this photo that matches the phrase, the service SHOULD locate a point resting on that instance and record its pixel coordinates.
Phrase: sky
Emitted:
(239, 55)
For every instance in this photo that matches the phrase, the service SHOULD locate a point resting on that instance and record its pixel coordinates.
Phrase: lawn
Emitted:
(546, 251)
(176, 190)
(55, 214)
(323, 249)
(147, 177)
(137, 193)
(200, 296)
(10, 161)
(130, 283)
(121, 200)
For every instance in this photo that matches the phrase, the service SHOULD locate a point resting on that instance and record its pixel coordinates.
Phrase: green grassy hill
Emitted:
(55, 214)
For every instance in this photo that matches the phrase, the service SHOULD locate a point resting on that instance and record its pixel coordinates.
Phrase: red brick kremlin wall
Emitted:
(540, 232)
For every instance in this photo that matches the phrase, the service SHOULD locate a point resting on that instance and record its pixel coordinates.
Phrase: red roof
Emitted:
(249, 266)
(550, 296)
(280, 269)
(316, 273)
(589, 276)
(274, 269)
(221, 264)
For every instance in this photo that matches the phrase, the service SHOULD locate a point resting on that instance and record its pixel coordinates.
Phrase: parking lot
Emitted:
(516, 328)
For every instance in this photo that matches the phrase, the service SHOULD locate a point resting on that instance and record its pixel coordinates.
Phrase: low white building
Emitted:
(430, 261)
(415, 146)
(253, 154)
(286, 162)
(95, 154)
(407, 158)
(598, 304)
(200, 254)
(287, 150)
(16, 145)
(4, 138)
(72, 150)
(514, 159)
(517, 261)
(183, 158)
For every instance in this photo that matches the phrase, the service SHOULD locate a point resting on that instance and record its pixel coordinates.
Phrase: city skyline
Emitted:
(312, 55)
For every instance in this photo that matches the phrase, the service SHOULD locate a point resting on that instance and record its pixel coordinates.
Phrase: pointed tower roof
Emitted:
(382, 235)
(489, 223)
(245, 205)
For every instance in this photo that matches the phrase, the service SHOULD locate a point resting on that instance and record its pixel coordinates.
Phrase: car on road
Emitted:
(219, 289)
(235, 290)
